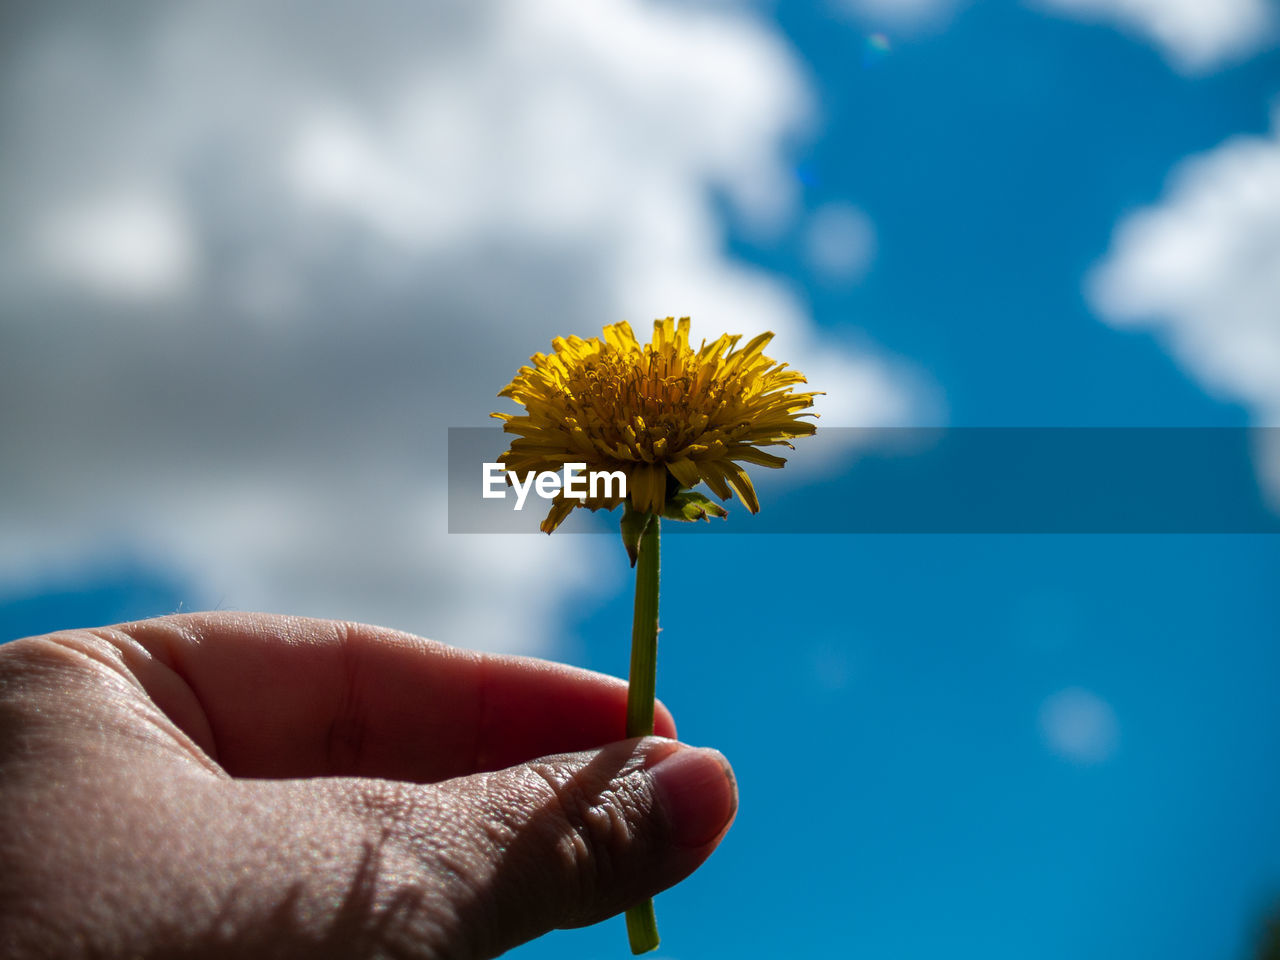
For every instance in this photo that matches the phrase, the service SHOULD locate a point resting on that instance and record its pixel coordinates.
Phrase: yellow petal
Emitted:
(647, 486)
(742, 484)
(751, 455)
(559, 510)
(686, 472)
(711, 473)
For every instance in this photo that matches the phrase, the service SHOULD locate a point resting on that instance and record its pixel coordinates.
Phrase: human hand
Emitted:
(258, 786)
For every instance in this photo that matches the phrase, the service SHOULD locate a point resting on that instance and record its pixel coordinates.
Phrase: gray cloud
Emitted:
(258, 257)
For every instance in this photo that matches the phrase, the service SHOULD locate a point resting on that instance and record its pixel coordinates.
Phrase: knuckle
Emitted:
(412, 822)
(74, 655)
(50, 652)
(385, 804)
(590, 827)
(37, 673)
(426, 851)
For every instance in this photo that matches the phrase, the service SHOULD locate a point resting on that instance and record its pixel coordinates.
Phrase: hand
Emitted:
(256, 786)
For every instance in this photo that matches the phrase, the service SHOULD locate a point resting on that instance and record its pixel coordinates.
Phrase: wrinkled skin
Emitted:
(258, 786)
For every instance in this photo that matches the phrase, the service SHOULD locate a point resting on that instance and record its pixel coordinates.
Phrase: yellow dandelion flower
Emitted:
(665, 414)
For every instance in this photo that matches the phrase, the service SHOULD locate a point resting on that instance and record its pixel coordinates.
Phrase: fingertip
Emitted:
(664, 724)
(698, 794)
(636, 816)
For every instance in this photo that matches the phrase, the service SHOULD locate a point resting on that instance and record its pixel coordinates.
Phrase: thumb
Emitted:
(569, 840)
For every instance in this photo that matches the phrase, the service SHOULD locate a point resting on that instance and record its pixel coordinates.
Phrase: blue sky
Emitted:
(989, 746)
(995, 158)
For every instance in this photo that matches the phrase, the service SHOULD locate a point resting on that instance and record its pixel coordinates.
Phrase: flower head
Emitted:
(667, 415)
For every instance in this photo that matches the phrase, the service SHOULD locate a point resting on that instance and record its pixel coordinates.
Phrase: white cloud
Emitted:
(303, 244)
(1194, 35)
(1202, 269)
(128, 246)
(1079, 726)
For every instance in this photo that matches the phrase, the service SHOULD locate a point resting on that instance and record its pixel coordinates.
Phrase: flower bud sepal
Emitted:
(634, 523)
(690, 507)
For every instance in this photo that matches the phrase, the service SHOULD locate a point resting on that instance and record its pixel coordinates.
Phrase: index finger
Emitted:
(275, 696)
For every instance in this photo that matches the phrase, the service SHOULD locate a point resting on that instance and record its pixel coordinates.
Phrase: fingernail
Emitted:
(696, 789)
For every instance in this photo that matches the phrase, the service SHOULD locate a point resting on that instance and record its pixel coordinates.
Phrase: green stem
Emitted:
(641, 689)
(642, 925)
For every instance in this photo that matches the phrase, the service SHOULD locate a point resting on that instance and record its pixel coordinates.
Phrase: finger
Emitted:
(272, 696)
(347, 867)
(562, 841)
